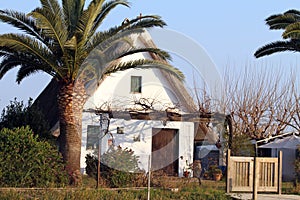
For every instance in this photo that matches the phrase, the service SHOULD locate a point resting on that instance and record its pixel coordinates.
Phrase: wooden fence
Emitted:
(253, 174)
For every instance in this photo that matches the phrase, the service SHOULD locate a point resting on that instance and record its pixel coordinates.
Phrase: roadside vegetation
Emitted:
(188, 190)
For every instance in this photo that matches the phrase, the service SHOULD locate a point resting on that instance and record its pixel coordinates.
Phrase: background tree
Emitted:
(261, 103)
(289, 21)
(17, 114)
(295, 123)
(64, 41)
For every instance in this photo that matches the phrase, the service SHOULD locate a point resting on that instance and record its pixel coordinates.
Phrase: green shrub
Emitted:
(27, 162)
(17, 114)
(121, 159)
(119, 167)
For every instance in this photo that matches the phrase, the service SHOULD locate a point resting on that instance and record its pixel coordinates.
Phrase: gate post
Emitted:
(255, 178)
(279, 173)
(227, 171)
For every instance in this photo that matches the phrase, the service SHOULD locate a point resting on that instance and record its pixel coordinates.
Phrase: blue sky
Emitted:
(229, 31)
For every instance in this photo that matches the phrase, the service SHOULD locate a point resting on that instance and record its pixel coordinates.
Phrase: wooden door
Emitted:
(165, 149)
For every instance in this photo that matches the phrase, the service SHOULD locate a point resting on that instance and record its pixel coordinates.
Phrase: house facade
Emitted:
(150, 112)
(138, 93)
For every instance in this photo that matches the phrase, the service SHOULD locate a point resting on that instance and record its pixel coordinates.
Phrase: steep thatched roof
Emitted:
(48, 104)
(177, 86)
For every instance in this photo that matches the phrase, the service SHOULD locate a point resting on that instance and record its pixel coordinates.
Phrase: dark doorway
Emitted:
(165, 150)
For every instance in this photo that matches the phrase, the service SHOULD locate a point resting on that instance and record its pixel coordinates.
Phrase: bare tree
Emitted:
(261, 103)
(294, 123)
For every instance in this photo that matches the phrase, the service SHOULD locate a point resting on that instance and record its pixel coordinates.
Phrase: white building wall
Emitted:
(115, 91)
(143, 130)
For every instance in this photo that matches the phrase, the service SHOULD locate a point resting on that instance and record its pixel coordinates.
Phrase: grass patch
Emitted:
(289, 188)
(124, 194)
(188, 190)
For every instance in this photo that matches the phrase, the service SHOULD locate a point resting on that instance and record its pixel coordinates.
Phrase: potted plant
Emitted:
(215, 172)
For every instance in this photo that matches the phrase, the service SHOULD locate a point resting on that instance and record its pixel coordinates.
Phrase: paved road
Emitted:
(248, 196)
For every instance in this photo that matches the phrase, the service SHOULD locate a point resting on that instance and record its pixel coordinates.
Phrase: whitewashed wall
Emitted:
(115, 90)
(143, 130)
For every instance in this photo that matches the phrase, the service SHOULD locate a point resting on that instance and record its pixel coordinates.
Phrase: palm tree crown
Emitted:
(289, 21)
(58, 39)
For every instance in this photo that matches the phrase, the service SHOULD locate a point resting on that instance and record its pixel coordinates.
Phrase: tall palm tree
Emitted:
(59, 39)
(289, 21)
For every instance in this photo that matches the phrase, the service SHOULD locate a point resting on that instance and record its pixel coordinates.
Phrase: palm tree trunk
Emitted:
(71, 99)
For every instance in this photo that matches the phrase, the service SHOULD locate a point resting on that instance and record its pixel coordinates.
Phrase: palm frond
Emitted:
(21, 21)
(275, 47)
(146, 17)
(280, 21)
(163, 54)
(52, 26)
(21, 60)
(133, 26)
(72, 10)
(144, 64)
(28, 69)
(272, 17)
(22, 44)
(106, 9)
(52, 6)
(293, 12)
(106, 43)
(87, 19)
(147, 21)
(292, 31)
(6, 64)
(104, 39)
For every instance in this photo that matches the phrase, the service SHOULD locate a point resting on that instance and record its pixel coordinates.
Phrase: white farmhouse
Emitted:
(150, 112)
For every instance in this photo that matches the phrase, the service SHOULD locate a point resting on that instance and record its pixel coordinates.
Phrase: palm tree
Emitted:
(290, 23)
(58, 39)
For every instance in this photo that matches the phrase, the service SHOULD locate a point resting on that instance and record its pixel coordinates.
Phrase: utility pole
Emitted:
(99, 150)
(104, 121)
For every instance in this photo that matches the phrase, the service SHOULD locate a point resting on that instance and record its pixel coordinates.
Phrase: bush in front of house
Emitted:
(119, 168)
(27, 162)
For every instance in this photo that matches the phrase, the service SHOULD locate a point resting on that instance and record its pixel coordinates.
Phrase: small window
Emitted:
(92, 136)
(136, 84)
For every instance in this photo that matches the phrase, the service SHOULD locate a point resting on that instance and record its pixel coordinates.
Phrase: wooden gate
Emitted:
(165, 147)
(256, 174)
